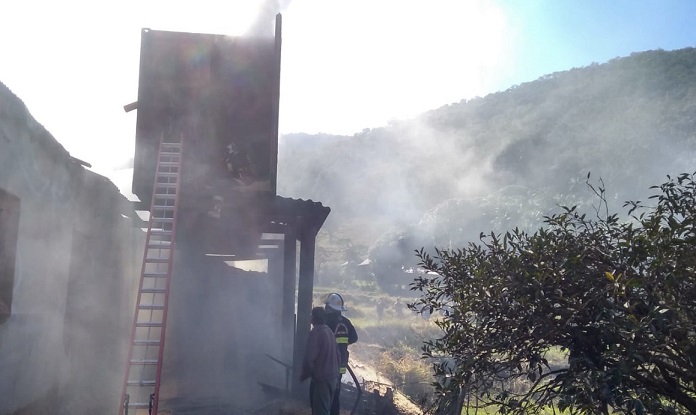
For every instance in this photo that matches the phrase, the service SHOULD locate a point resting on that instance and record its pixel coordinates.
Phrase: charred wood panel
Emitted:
(221, 94)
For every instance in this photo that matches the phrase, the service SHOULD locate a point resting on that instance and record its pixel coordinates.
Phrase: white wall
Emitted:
(34, 341)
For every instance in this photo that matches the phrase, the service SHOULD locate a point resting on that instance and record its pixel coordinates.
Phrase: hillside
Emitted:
(503, 160)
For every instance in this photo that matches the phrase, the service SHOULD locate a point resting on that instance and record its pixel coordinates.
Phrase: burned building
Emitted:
(234, 313)
(72, 248)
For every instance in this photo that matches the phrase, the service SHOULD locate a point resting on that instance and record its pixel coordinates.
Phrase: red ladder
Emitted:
(141, 383)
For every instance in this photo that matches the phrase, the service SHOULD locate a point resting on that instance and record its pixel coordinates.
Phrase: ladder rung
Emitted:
(169, 163)
(144, 362)
(159, 239)
(151, 307)
(160, 232)
(159, 236)
(148, 324)
(153, 244)
(166, 181)
(166, 185)
(165, 196)
(139, 405)
(146, 342)
(163, 220)
(163, 207)
(157, 260)
(154, 290)
(159, 243)
(167, 174)
(141, 383)
(162, 259)
(159, 247)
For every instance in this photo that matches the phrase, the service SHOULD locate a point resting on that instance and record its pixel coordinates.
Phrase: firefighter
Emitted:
(345, 335)
(240, 164)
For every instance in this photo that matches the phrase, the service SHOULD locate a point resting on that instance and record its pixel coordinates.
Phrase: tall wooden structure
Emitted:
(220, 95)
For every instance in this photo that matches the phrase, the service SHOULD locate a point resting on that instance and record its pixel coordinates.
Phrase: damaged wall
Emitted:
(222, 326)
(76, 267)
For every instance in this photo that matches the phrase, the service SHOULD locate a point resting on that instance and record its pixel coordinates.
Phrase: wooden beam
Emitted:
(305, 291)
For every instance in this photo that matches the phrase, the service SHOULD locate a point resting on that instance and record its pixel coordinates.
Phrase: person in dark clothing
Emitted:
(320, 363)
(240, 164)
(345, 334)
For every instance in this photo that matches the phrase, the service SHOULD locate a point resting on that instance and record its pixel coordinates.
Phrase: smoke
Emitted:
(264, 25)
(496, 163)
(225, 322)
(387, 177)
(63, 349)
(75, 260)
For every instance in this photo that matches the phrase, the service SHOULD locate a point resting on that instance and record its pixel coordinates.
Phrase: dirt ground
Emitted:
(361, 353)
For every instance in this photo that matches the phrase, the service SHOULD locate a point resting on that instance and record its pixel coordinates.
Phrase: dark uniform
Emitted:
(345, 335)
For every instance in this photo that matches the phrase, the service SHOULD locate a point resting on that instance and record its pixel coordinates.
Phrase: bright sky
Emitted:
(346, 65)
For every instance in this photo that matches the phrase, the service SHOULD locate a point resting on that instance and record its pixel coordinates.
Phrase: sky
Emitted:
(346, 65)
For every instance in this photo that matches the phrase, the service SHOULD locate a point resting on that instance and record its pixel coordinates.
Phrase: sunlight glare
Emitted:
(386, 59)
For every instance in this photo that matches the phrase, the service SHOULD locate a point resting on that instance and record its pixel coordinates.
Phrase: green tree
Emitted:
(618, 297)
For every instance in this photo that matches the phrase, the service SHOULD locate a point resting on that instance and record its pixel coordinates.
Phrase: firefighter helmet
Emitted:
(335, 302)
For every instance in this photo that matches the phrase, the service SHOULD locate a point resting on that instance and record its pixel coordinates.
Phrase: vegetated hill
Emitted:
(507, 159)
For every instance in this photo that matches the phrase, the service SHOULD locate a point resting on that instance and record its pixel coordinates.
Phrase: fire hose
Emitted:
(357, 386)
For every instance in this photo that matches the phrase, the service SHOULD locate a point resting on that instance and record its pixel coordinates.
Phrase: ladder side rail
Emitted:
(122, 402)
(122, 406)
(135, 317)
(172, 246)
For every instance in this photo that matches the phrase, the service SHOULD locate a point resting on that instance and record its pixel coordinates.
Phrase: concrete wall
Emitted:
(76, 271)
